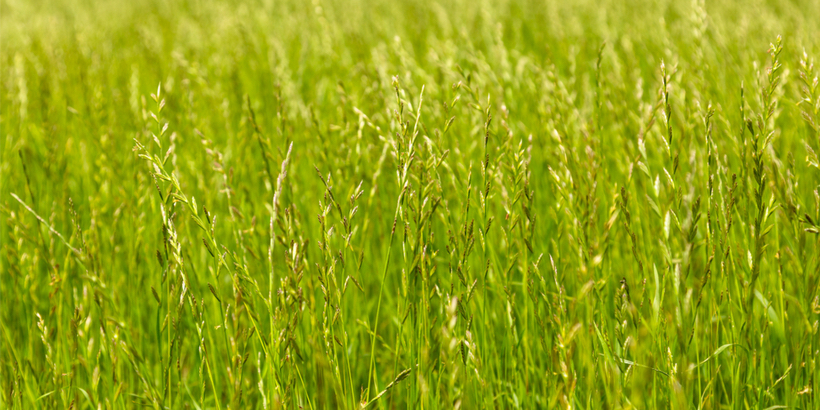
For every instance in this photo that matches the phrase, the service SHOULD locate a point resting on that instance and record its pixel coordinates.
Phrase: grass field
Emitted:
(409, 204)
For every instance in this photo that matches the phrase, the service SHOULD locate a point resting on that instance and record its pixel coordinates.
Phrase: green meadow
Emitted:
(409, 204)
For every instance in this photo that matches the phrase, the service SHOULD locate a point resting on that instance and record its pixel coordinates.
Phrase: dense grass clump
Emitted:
(409, 204)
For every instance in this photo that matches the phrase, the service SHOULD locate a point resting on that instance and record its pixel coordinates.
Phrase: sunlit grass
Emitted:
(409, 204)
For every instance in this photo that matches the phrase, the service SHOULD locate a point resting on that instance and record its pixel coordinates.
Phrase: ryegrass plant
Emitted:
(372, 204)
